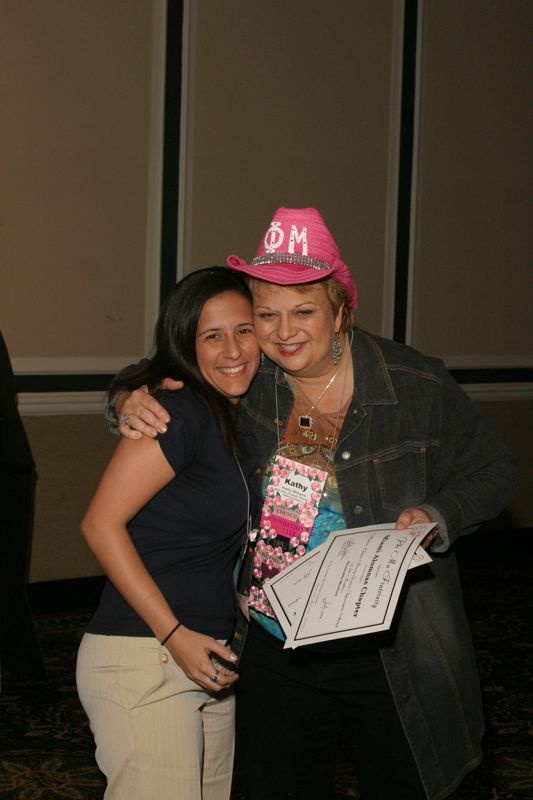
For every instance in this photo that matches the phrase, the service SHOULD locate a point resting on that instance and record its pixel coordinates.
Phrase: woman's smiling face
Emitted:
(295, 326)
(226, 347)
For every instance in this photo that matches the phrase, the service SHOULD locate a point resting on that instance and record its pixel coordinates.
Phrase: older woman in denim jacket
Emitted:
(400, 441)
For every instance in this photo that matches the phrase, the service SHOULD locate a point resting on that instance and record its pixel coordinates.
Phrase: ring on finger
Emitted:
(125, 419)
(214, 678)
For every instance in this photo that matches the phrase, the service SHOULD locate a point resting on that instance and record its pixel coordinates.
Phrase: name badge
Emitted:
(292, 499)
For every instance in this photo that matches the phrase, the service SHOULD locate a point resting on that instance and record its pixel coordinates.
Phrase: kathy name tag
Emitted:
(292, 499)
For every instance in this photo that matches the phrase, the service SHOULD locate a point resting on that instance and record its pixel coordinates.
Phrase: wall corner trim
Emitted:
(480, 392)
(44, 404)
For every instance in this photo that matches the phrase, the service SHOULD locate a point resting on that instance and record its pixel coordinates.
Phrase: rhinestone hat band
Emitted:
(290, 258)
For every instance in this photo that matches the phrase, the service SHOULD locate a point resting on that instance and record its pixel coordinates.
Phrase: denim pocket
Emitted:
(401, 476)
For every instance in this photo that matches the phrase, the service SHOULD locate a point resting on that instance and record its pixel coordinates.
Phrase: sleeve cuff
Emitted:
(111, 415)
(442, 542)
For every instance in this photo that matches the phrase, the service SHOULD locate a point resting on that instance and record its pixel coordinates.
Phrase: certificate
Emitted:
(348, 586)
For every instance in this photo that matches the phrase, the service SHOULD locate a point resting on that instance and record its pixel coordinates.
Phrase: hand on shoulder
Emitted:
(140, 414)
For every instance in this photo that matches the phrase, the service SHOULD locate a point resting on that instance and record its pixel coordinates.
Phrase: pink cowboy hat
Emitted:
(298, 248)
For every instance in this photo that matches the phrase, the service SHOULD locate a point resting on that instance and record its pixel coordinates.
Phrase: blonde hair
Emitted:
(338, 298)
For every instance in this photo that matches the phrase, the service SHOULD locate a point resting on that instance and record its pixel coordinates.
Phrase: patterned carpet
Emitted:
(46, 749)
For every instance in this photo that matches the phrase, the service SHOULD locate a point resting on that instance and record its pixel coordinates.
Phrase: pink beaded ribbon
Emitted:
(274, 552)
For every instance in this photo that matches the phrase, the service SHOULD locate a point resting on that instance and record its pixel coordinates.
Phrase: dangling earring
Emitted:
(336, 348)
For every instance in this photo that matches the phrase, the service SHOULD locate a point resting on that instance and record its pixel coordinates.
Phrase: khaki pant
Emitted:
(159, 735)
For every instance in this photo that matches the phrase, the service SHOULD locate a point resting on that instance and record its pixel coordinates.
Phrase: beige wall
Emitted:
(287, 104)
(473, 292)
(292, 106)
(512, 422)
(75, 118)
(70, 453)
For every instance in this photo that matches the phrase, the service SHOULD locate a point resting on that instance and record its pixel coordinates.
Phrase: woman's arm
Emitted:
(146, 417)
(135, 473)
(475, 474)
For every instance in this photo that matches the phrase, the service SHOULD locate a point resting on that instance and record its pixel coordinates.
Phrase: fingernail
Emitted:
(162, 428)
(233, 657)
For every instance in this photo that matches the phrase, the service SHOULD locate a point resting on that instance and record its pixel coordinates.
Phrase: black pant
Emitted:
(292, 707)
(19, 648)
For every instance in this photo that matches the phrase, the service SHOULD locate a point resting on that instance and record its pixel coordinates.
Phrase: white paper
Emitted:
(287, 597)
(348, 586)
(420, 557)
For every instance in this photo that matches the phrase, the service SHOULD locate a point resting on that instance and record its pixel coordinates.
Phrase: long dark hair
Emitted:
(174, 354)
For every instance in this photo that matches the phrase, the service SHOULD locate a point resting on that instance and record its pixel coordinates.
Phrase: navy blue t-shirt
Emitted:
(191, 533)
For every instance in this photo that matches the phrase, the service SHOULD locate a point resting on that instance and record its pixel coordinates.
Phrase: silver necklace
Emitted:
(306, 420)
(332, 440)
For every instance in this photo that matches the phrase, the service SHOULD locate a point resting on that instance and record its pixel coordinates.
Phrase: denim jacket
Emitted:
(411, 437)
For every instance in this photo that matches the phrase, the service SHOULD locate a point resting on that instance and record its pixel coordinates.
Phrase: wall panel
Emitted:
(75, 79)
(472, 300)
(292, 104)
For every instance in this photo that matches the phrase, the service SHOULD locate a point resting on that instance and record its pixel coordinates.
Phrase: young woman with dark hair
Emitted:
(175, 346)
(167, 523)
